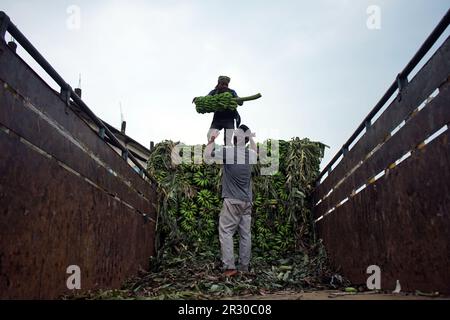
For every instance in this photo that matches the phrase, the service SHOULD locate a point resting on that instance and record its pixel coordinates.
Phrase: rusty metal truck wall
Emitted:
(66, 197)
(387, 202)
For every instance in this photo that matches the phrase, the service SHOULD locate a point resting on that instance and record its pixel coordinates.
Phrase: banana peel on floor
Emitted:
(427, 294)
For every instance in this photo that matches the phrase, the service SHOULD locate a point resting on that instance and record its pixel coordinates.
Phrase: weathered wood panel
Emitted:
(17, 114)
(431, 76)
(51, 218)
(66, 197)
(22, 80)
(421, 126)
(400, 223)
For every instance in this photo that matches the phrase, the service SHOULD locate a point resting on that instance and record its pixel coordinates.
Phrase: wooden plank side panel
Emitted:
(46, 227)
(431, 76)
(400, 223)
(18, 116)
(24, 81)
(421, 126)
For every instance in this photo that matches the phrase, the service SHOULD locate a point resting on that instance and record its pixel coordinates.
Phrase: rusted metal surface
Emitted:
(400, 223)
(430, 77)
(419, 127)
(66, 197)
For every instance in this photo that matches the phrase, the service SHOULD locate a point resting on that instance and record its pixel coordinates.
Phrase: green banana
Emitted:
(220, 102)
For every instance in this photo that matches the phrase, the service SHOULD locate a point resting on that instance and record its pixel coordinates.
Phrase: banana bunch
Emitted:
(218, 102)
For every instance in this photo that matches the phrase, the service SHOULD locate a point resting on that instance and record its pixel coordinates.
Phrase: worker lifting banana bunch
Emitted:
(223, 102)
(236, 179)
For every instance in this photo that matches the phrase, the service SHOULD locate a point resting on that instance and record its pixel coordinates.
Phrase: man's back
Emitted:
(237, 173)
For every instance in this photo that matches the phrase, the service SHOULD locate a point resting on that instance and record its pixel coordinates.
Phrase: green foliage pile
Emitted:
(194, 275)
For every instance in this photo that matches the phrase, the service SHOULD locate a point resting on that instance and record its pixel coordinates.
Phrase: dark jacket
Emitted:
(226, 114)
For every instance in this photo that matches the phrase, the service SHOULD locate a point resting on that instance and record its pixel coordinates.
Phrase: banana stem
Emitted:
(249, 98)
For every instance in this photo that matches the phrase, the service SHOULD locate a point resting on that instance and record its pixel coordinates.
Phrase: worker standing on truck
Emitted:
(236, 212)
(224, 119)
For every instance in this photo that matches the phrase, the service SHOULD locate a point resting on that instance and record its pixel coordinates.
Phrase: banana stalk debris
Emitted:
(197, 275)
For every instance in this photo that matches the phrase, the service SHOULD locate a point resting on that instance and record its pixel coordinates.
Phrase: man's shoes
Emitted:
(230, 272)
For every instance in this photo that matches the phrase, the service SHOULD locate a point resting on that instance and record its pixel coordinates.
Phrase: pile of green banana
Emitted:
(190, 198)
(220, 102)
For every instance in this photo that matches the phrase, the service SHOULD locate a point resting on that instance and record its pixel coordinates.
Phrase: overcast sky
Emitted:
(317, 64)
